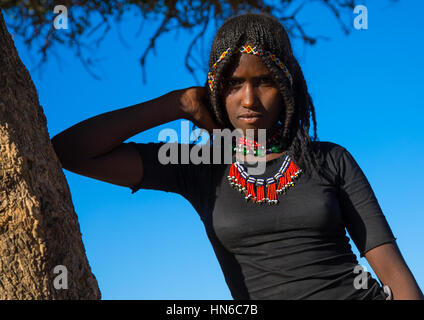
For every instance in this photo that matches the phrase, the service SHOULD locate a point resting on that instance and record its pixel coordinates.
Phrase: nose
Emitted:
(248, 95)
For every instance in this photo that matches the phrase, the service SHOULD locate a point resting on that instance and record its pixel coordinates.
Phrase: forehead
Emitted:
(248, 65)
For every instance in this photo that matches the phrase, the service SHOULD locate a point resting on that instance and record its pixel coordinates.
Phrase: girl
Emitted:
(288, 240)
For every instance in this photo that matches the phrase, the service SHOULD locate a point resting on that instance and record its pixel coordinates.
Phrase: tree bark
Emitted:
(39, 228)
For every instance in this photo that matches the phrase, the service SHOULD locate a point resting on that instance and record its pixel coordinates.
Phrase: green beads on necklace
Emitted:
(245, 146)
(259, 153)
(275, 149)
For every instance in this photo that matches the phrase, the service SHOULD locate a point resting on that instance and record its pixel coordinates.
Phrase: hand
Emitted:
(193, 102)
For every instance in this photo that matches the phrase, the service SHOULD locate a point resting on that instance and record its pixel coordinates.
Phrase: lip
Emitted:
(250, 118)
(249, 115)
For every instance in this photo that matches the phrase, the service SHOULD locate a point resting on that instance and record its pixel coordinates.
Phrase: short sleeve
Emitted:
(172, 173)
(361, 211)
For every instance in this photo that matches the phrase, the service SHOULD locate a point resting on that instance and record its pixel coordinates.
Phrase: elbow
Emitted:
(56, 148)
(59, 149)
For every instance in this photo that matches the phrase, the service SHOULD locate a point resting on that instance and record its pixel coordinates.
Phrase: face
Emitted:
(252, 98)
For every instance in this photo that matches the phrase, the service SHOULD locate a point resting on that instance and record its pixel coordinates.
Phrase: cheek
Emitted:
(229, 106)
(273, 102)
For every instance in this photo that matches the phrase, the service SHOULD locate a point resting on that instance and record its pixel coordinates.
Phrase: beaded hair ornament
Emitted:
(251, 50)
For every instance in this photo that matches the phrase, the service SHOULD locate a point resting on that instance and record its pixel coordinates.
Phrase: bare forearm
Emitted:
(102, 133)
(404, 286)
(392, 270)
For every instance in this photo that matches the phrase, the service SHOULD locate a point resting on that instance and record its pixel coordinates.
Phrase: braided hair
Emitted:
(268, 34)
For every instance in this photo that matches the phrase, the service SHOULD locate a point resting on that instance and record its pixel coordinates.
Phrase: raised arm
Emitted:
(95, 148)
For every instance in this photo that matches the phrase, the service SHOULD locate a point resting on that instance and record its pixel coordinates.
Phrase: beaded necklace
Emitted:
(247, 146)
(279, 183)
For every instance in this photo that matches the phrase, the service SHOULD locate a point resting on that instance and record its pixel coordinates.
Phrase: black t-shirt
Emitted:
(296, 249)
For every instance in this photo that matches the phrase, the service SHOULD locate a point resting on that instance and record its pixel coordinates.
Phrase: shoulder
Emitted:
(329, 149)
(331, 154)
(328, 146)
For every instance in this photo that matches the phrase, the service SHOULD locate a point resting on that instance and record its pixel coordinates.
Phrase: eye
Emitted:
(233, 85)
(266, 81)
(233, 82)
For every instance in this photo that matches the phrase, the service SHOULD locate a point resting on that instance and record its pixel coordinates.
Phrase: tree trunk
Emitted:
(41, 252)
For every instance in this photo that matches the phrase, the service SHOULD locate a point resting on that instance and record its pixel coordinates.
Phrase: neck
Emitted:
(255, 150)
(269, 133)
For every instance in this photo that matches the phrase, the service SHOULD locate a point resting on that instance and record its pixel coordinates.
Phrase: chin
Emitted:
(254, 126)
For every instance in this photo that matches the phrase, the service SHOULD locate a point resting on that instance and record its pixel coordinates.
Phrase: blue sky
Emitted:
(367, 90)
